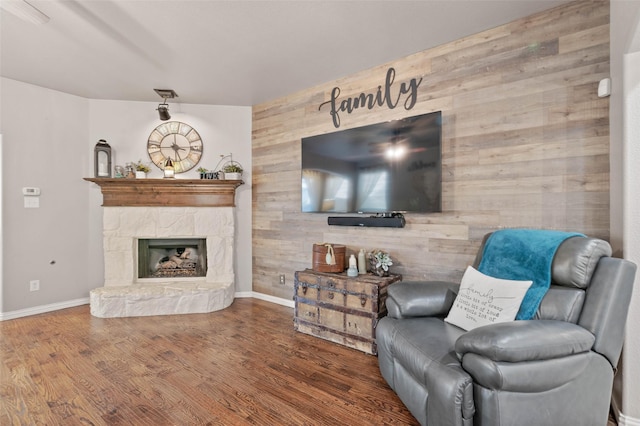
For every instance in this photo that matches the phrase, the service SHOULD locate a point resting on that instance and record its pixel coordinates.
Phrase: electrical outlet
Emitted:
(34, 285)
(281, 279)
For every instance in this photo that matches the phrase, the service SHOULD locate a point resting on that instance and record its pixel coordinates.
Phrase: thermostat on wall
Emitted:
(30, 190)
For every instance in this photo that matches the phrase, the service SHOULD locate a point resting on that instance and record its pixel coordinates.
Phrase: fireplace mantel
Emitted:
(167, 192)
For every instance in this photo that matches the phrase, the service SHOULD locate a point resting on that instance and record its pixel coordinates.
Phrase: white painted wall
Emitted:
(48, 141)
(631, 385)
(126, 126)
(625, 204)
(1, 215)
(45, 135)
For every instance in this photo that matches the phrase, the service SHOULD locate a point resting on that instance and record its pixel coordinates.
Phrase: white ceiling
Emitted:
(229, 52)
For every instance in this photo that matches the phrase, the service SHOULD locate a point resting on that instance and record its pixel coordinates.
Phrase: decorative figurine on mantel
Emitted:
(129, 171)
(206, 174)
(119, 171)
(380, 262)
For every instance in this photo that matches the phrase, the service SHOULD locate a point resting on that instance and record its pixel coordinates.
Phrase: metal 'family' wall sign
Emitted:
(381, 97)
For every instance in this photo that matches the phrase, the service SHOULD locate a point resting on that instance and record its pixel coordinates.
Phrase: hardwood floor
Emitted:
(241, 365)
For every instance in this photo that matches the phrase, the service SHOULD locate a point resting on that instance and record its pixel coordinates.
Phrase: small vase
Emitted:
(232, 176)
(140, 175)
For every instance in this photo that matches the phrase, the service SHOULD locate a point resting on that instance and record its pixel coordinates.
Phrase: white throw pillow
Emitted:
(484, 300)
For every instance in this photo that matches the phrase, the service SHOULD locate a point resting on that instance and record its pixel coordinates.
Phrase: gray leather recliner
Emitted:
(556, 369)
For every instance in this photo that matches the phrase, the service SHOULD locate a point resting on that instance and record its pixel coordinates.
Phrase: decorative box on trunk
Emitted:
(339, 308)
(329, 257)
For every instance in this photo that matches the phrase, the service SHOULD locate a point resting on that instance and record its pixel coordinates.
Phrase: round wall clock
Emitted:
(177, 141)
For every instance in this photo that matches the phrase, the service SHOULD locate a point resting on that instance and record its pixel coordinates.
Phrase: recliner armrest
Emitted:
(420, 298)
(525, 340)
(526, 356)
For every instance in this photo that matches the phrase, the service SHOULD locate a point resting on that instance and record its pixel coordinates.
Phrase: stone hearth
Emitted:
(124, 294)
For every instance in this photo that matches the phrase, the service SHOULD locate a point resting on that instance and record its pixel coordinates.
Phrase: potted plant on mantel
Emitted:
(232, 171)
(141, 169)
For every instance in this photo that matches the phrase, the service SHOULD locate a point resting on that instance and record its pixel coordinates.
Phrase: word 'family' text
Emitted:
(381, 97)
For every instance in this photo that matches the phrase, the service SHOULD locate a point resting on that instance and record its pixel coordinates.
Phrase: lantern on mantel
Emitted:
(102, 159)
(169, 170)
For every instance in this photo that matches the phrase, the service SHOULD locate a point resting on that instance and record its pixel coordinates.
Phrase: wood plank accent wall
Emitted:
(525, 144)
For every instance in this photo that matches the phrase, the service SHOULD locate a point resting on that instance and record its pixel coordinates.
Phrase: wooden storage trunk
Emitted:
(320, 258)
(341, 309)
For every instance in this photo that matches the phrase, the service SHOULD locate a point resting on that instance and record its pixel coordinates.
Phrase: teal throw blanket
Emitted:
(523, 254)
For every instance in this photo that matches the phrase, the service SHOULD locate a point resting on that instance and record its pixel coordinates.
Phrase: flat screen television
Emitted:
(382, 168)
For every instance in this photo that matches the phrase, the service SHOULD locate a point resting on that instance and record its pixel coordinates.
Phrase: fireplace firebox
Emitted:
(172, 257)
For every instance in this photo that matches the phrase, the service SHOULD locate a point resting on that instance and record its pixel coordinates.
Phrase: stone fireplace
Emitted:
(162, 230)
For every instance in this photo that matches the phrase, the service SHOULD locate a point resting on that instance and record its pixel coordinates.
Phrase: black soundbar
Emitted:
(372, 221)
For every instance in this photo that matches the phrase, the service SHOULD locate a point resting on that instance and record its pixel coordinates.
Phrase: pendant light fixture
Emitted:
(163, 108)
(163, 112)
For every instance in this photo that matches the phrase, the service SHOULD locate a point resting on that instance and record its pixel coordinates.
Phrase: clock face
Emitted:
(177, 141)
